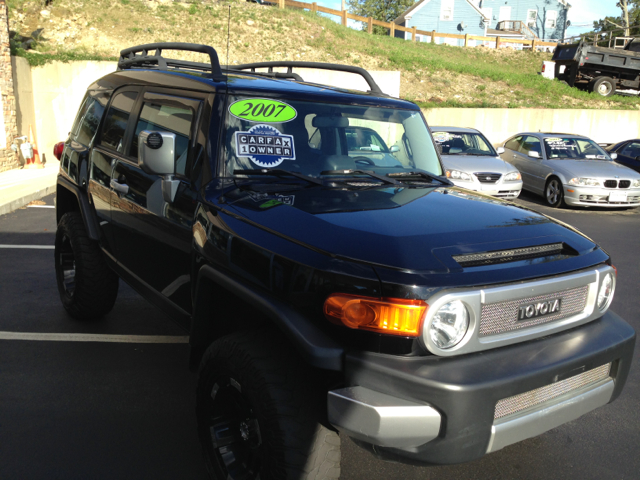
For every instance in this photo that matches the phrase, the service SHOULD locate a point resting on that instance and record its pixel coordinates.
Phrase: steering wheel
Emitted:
(361, 159)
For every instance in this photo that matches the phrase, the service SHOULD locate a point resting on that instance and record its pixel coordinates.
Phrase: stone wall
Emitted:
(8, 126)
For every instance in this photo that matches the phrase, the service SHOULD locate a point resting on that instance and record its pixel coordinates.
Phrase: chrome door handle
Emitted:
(119, 187)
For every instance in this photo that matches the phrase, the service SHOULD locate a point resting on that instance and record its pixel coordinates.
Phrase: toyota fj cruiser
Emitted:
(325, 287)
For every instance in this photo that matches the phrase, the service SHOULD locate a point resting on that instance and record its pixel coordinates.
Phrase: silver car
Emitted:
(471, 162)
(572, 170)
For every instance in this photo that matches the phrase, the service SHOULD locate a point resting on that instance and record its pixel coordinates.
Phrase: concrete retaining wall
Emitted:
(497, 124)
(48, 97)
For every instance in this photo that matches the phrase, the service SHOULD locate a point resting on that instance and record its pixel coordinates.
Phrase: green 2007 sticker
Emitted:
(263, 110)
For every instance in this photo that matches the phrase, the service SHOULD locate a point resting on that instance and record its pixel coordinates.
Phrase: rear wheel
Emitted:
(259, 409)
(604, 86)
(88, 287)
(554, 193)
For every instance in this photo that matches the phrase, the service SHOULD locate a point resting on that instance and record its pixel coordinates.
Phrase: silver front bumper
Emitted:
(594, 196)
(381, 419)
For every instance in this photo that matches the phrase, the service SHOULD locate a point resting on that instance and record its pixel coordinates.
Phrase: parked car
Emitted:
(471, 162)
(430, 323)
(572, 170)
(367, 147)
(628, 153)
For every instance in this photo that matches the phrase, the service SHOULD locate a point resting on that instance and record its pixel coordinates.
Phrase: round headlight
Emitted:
(449, 324)
(606, 291)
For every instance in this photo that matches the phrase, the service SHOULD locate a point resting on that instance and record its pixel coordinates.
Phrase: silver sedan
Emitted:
(572, 170)
(472, 163)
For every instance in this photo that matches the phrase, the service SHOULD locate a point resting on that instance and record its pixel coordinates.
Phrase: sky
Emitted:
(582, 13)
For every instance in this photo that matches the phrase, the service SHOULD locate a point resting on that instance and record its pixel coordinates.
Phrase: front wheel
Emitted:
(554, 193)
(259, 409)
(604, 86)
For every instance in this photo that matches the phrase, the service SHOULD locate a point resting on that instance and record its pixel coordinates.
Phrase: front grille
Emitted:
(533, 398)
(502, 317)
(624, 184)
(484, 177)
(611, 183)
(504, 256)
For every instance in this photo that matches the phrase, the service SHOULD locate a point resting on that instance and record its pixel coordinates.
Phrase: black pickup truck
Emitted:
(327, 285)
(598, 69)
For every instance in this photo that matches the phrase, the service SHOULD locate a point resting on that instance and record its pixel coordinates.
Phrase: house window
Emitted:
(552, 18)
(532, 18)
(446, 10)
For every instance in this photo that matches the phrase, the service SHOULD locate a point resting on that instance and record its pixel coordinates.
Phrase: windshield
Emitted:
(457, 143)
(310, 138)
(573, 148)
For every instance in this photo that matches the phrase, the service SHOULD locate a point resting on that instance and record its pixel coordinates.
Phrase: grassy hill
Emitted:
(432, 75)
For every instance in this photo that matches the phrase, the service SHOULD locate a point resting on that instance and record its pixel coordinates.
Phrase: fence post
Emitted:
(497, 42)
(466, 39)
(370, 25)
(533, 45)
(314, 7)
(344, 18)
(433, 36)
(413, 33)
(392, 29)
(280, 3)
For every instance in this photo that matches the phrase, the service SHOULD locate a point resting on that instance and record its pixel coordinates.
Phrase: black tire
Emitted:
(604, 86)
(270, 404)
(88, 287)
(554, 192)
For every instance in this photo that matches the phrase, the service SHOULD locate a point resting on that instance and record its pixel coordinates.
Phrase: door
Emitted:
(533, 168)
(505, 14)
(153, 235)
(629, 155)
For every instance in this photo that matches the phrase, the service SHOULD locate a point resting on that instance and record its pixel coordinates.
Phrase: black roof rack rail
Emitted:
(290, 65)
(139, 56)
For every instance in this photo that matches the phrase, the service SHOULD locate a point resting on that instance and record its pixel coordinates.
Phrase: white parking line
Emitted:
(90, 337)
(36, 247)
(41, 206)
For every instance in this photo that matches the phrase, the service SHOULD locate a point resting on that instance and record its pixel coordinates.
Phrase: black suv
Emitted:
(324, 291)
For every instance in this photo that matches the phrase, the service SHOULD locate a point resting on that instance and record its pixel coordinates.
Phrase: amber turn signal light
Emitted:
(393, 316)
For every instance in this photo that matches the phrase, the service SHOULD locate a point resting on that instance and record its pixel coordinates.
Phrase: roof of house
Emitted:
(409, 12)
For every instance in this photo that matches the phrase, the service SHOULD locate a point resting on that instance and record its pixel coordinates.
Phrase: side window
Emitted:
(88, 125)
(173, 119)
(632, 150)
(115, 123)
(531, 144)
(81, 112)
(514, 143)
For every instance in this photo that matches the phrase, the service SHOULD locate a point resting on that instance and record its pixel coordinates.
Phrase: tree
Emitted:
(383, 10)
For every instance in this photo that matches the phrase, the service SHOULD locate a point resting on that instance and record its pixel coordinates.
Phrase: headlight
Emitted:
(605, 294)
(458, 175)
(636, 183)
(512, 177)
(449, 324)
(585, 182)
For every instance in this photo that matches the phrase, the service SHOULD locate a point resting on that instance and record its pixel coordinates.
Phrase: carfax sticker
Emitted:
(263, 110)
(265, 146)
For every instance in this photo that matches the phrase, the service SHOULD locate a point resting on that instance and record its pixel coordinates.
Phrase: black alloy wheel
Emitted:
(87, 286)
(259, 410)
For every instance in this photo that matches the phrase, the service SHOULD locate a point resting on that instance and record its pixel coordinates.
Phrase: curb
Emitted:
(21, 202)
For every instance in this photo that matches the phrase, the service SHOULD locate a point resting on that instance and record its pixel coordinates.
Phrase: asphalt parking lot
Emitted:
(114, 399)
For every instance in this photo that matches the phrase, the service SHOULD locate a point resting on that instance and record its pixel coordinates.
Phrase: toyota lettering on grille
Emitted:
(539, 309)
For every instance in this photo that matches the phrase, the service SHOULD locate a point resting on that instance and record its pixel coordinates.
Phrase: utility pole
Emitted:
(344, 5)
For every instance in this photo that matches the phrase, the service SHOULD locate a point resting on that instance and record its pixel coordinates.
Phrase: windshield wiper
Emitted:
(404, 175)
(278, 172)
(382, 178)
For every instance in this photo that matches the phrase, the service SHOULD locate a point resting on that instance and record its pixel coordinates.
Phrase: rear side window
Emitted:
(514, 143)
(88, 124)
(115, 123)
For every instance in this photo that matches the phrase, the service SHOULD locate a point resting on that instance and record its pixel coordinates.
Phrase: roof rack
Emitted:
(139, 56)
(322, 66)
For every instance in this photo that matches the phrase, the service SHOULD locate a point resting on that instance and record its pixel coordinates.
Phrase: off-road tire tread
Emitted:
(293, 402)
(96, 286)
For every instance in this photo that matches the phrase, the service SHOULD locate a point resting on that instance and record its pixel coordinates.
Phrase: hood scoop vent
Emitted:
(505, 256)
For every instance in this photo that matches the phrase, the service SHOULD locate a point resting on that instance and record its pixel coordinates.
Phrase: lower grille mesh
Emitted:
(503, 316)
(517, 403)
